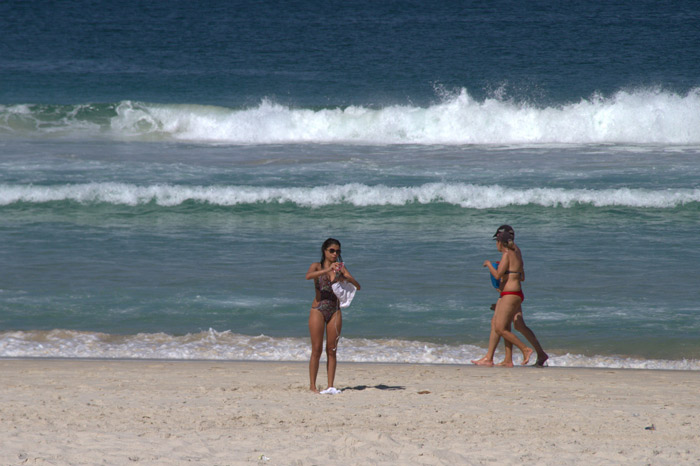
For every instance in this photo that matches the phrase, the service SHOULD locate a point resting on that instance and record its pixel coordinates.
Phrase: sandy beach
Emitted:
(219, 413)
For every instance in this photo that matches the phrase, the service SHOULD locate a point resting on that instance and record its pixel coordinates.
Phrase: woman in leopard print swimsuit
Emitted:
(325, 310)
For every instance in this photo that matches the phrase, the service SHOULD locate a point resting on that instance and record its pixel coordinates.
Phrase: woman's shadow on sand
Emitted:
(378, 387)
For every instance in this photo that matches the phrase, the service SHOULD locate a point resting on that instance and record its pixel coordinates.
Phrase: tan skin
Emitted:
(317, 324)
(520, 326)
(507, 306)
(519, 322)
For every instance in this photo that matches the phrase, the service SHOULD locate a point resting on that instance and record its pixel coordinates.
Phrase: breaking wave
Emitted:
(355, 194)
(646, 116)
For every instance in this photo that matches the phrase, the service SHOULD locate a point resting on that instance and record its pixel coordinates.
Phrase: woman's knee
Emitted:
(316, 352)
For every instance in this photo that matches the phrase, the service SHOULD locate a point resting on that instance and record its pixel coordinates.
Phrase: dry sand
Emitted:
(218, 413)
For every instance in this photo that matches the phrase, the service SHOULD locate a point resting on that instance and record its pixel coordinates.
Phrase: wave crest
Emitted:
(647, 116)
(355, 194)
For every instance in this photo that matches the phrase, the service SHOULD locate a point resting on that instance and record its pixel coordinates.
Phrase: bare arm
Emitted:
(502, 267)
(316, 271)
(346, 274)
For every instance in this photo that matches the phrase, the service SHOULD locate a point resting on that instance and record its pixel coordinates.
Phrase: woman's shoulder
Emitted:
(518, 252)
(513, 255)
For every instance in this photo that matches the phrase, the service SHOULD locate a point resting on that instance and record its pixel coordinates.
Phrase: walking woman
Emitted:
(511, 272)
(325, 310)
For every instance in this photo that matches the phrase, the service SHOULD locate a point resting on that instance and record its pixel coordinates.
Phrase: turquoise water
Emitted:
(168, 173)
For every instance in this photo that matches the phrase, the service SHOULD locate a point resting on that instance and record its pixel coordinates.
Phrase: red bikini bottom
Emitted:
(516, 293)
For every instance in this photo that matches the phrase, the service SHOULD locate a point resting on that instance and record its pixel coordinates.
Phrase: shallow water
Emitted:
(165, 199)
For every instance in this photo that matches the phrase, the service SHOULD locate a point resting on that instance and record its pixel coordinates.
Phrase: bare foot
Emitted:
(505, 364)
(526, 356)
(541, 359)
(483, 362)
(314, 390)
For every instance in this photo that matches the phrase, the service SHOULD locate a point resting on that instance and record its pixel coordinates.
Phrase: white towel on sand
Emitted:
(331, 391)
(345, 291)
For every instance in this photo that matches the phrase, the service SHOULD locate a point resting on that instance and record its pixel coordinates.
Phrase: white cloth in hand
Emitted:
(345, 291)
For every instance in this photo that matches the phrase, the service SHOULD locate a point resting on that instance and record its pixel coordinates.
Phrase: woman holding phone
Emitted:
(325, 310)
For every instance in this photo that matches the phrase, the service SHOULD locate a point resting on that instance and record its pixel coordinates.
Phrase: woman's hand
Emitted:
(337, 266)
(492, 270)
(337, 272)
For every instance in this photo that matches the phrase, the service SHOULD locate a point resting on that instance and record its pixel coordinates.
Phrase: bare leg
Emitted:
(494, 338)
(316, 326)
(508, 359)
(505, 311)
(530, 336)
(333, 328)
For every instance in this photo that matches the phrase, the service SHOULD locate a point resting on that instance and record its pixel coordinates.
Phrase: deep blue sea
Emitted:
(169, 170)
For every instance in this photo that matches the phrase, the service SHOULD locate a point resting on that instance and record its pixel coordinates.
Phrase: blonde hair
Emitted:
(509, 244)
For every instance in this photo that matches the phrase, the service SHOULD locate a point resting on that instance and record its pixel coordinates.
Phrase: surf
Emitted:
(464, 195)
(638, 117)
(227, 345)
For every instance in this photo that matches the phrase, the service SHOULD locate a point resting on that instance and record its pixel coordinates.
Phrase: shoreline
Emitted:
(67, 411)
(323, 361)
(227, 346)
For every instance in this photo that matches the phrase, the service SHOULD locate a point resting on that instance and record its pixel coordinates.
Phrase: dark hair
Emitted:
(326, 245)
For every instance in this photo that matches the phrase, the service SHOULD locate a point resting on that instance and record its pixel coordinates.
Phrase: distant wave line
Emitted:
(355, 194)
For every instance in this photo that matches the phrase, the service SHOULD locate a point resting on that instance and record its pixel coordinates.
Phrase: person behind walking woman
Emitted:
(325, 310)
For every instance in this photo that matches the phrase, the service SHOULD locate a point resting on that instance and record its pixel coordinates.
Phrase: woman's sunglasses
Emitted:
(334, 251)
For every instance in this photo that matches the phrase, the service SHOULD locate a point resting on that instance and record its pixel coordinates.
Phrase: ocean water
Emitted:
(169, 171)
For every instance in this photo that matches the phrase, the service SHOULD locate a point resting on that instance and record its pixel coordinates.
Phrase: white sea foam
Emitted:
(360, 195)
(213, 345)
(637, 117)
